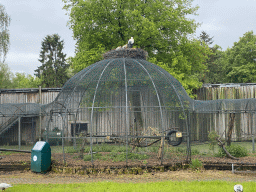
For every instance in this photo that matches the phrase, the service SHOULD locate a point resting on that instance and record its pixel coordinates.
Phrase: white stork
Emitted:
(238, 188)
(4, 186)
(130, 42)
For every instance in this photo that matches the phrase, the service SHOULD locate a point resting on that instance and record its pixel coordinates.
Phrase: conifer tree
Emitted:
(53, 68)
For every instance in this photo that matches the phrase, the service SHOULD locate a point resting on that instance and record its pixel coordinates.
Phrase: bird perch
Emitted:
(221, 144)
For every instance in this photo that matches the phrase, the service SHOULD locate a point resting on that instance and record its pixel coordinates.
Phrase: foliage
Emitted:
(21, 80)
(195, 152)
(212, 139)
(196, 165)
(240, 60)
(213, 72)
(96, 156)
(106, 148)
(53, 69)
(70, 71)
(71, 149)
(4, 33)
(186, 67)
(5, 76)
(234, 150)
(160, 27)
(205, 38)
(116, 157)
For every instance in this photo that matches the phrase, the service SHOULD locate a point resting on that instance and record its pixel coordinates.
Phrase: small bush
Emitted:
(116, 157)
(234, 150)
(71, 150)
(120, 149)
(195, 152)
(95, 157)
(212, 139)
(196, 165)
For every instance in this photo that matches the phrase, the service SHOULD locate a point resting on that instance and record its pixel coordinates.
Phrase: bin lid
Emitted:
(41, 146)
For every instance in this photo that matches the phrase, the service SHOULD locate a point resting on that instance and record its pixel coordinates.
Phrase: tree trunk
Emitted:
(138, 121)
(84, 141)
(160, 151)
(230, 127)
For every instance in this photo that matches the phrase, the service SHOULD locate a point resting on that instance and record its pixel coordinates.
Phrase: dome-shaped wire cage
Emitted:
(125, 97)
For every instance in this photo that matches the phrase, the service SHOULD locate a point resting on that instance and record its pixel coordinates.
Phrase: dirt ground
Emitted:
(73, 161)
(28, 177)
(14, 169)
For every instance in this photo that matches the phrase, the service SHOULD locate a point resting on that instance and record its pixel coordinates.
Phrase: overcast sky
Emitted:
(32, 20)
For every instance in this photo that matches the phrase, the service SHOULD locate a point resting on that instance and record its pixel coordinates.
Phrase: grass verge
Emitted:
(177, 186)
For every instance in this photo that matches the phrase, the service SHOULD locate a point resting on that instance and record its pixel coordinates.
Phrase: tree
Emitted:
(240, 60)
(4, 33)
(158, 26)
(204, 37)
(213, 72)
(5, 76)
(53, 68)
(21, 80)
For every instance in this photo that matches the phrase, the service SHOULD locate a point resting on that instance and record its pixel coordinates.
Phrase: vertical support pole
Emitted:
(40, 115)
(188, 136)
(19, 134)
(253, 144)
(253, 128)
(63, 149)
(62, 136)
(126, 114)
(33, 131)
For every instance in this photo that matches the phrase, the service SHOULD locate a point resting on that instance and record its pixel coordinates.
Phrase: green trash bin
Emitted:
(41, 157)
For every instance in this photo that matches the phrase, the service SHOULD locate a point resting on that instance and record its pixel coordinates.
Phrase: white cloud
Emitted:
(13, 57)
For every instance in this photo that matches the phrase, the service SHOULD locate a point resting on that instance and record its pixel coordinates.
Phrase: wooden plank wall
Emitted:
(28, 95)
(244, 125)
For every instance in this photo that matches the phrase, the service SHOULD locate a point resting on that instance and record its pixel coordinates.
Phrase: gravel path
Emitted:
(29, 177)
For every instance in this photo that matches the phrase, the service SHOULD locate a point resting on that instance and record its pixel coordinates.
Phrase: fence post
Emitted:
(19, 139)
(253, 147)
(40, 115)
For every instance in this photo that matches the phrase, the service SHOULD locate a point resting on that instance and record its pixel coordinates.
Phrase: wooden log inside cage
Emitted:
(221, 144)
(230, 127)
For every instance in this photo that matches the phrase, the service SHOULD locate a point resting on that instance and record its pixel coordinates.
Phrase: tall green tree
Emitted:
(215, 72)
(4, 33)
(214, 68)
(158, 26)
(5, 76)
(53, 69)
(240, 60)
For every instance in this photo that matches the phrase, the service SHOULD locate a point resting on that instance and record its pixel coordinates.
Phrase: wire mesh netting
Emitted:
(132, 106)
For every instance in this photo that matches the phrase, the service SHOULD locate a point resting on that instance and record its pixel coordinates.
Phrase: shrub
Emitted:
(212, 139)
(116, 157)
(95, 156)
(234, 150)
(195, 152)
(71, 150)
(196, 165)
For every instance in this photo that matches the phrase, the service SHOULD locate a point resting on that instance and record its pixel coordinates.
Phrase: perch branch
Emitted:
(221, 144)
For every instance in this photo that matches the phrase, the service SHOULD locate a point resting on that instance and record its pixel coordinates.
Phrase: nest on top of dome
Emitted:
(135, 53)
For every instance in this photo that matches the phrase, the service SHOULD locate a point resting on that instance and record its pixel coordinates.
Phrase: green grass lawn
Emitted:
(173, 186)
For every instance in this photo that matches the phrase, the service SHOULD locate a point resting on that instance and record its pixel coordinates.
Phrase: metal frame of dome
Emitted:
(126, 97)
